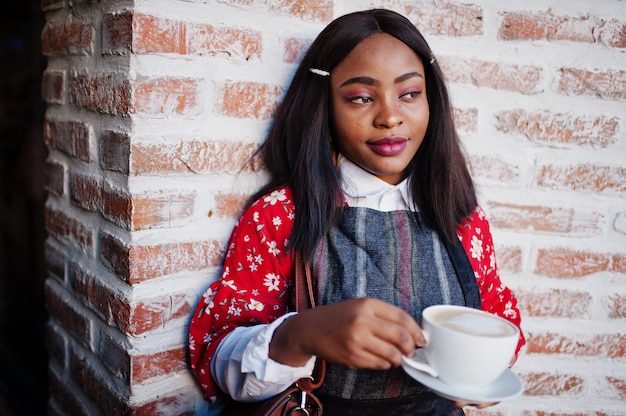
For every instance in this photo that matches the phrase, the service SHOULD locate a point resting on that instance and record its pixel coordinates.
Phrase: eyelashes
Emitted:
(365, 99)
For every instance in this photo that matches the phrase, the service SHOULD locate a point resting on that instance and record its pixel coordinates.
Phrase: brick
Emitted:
(234, 43)
(617, 306)
(53, 86)
(546, 26)
(151, 34)
(228, 205)
(252, 100)
(134, 264)
(117, 206)
(144, 34)
(108, 93)
(64, 394)
(560, 129)
(495, 169)
(618, 385)
(54, 178)
(550, 27)
(583, 177)
(471, 411)
(618, 263)
(182, 404)
(608, 84)
(167, 96)
(71, 38)
(71, 137)
(548, 384)
(570, 263)
(555, 303)
(109, 304)
(545, 219)
(192, 157)
(114, 150)
(162, 209)
(55, 343)
(446, 18)
(509, 259)
(63, 226)
(114, 254)
(466, 119)
(613, 33)
(155, 313)
(117, 32)
(54, 261)
(66, 311)
(318, 11)
(524, 79)
(86, 191)
(96, 384)
(610, 345)
(294, 49)
(148, 262)
(115, 356)
(147, 366)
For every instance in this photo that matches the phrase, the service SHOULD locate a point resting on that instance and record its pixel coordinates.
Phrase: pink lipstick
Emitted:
(388, 146)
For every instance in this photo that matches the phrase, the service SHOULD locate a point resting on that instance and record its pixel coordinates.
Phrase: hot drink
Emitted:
(466, 347)
(471, 322)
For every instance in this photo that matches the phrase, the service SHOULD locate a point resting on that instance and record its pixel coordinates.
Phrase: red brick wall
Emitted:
(153, 111)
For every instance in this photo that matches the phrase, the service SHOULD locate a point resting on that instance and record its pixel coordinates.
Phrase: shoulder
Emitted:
(273, 211)
(475, 223)
(279, 200)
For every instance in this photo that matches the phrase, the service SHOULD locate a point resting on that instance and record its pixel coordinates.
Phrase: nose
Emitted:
(389, 114)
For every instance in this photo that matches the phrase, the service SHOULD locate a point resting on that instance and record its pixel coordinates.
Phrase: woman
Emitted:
(368, 180)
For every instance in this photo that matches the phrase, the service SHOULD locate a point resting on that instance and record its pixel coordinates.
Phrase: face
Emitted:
(379, 106)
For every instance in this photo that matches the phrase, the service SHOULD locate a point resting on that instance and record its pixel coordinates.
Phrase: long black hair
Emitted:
(299, 152)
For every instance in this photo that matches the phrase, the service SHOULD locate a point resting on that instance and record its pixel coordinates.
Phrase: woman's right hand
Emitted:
(359, 333)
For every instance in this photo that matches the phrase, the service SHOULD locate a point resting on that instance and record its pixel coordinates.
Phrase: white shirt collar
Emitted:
(362, 189)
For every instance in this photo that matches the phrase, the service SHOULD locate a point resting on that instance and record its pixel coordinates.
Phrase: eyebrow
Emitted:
(372, 81)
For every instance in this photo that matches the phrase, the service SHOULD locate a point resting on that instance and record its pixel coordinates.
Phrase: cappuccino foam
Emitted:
(474, 323)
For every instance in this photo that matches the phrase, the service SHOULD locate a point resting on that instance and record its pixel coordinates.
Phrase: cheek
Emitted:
(346, 126)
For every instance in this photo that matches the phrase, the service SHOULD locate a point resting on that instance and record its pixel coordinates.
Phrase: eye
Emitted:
(410, 95)
(360, 100)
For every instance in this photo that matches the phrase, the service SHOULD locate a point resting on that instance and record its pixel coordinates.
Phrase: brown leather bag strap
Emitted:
(304, 299)
(303, 283)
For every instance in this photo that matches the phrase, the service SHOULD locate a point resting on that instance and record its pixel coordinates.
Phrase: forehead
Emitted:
(379, 51)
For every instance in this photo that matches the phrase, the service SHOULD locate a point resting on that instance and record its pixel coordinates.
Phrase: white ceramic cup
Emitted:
(466, 347)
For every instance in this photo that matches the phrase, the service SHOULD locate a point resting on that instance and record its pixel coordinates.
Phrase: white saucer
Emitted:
(507, 386)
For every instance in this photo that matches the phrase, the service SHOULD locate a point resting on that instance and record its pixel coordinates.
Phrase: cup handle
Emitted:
(419, 363)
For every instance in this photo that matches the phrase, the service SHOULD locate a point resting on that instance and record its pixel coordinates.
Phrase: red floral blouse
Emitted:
(253, 288)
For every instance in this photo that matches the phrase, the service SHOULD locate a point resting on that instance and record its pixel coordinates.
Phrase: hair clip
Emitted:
(319, 72)
(432, 60)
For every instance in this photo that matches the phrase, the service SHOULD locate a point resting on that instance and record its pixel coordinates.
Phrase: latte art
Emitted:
(476, 324)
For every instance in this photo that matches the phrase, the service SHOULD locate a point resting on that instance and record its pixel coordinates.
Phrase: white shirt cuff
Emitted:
(256, 359)
(241, 366)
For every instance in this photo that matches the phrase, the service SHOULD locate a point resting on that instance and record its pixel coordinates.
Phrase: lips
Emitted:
(388, 146)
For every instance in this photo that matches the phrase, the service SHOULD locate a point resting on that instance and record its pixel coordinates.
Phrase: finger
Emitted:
(392, 314)
(478, 406)
(387, 350)
(398, 341)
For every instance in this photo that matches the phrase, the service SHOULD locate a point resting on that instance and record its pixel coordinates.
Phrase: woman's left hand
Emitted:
(484, 405)
(478, 406)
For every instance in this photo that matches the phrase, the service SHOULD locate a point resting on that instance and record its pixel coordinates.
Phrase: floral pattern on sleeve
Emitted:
(254, 285)
(475, 235)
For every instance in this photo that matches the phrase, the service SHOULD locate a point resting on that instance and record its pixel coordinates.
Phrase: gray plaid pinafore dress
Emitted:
(395, 257)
